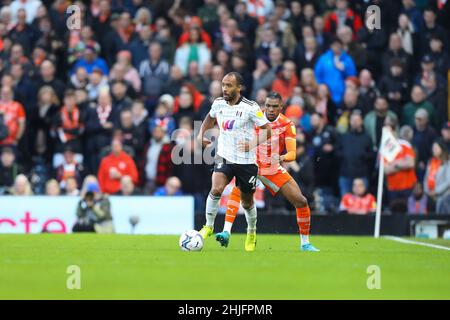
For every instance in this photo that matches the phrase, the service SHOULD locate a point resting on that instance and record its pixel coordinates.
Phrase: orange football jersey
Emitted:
(282, 129)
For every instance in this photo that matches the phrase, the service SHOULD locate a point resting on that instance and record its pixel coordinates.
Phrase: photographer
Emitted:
(93, 212)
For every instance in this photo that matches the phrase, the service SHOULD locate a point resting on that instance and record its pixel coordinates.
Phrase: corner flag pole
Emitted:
(380, 188)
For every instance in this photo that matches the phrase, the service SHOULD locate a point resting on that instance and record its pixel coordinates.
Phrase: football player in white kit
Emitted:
(236, 117)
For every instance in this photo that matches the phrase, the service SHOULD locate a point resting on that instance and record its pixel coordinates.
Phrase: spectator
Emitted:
(417, 102)
(442, 187)
(91, 61)
(245, 22)
(158, 164)
(67, 128)
(193, 50)
(22, 186)
(69, 168)
(286, 81)
(97, 82)
(359, 201)
(52, 188)
(132, 136)
(114, 166)
(394, 86)
(263, 76)
(175, 81)
(355, 153)
(29, 6)
(139, 45)
(99, 125)
(13, 116)
(439, 155)
(423, 138)
(302, 169)
(445, 132)
(332, 68)
(120, 100)
(154, 72)
(325, 105)
(9, 169)
(368, 92)
(349, 104)
(407, 34)
(172, 187)
(47, 77)
(431, 29)
(130, 73)
(419, 202)
(374, 120)
(396, 51)
(353, 48)
(94, 212)
(215, 91)
(410, 9)
(438, 55)
(41, 121)
(343, 15)
(127, 187)
(71, 187)
(324, 141)
(400, 173)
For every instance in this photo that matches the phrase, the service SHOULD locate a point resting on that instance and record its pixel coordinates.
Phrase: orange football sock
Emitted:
(233, 204)
(304, 222)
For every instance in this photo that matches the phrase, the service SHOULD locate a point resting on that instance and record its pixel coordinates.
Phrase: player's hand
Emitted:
(243, 146)
(206, 142)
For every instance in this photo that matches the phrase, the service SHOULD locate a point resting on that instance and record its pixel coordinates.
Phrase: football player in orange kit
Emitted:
(273, 175)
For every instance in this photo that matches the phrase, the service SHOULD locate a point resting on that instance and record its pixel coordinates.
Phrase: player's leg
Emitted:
(251, 216)
(246, 176)
(233, 204)
(291, 191)
(219, 182)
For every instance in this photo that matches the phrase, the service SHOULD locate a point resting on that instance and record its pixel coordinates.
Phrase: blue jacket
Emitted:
(97, 63)
(327, 73)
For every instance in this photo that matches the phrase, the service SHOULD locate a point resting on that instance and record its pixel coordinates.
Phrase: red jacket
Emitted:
(124, 164)
(351, 19)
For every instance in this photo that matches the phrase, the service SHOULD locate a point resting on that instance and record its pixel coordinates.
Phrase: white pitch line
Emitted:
(416, 242)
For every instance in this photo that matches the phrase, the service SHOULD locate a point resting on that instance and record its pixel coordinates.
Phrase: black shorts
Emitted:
(245, 174)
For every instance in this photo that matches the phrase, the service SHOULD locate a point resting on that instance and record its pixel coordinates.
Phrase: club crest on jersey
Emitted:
(228, 125)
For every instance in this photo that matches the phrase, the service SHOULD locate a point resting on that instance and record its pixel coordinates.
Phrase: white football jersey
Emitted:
(237, 123)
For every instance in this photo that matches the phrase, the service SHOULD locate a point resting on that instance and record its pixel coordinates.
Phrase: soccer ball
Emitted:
(191, 240)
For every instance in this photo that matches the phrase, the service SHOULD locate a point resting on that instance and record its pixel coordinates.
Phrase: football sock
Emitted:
(250, 216)
(303, 222)
(212, 205)
(232, 209)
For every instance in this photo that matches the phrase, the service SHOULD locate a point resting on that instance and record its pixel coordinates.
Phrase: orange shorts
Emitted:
(274, 182)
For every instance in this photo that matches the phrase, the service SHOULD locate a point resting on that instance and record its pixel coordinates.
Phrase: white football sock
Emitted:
(227, 226)
(304, 239)
(250, 216)
(212, 206)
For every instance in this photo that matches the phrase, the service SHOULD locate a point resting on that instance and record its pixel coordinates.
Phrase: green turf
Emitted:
(153, 267)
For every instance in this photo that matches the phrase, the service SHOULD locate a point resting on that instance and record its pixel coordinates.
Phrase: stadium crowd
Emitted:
(102, 100)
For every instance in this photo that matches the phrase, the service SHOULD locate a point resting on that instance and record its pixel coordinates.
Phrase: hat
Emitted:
(421, 113)
(427, 59)
(294, 111)
(92, 187)
(446, 125)
(68, 148)
(168, 99)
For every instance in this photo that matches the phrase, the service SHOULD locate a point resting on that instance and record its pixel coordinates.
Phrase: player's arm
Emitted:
(264, 134)
(291, 150)
(207, 124)
(290, 142)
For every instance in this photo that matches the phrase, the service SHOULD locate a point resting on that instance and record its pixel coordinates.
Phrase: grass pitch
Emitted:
(153, 267)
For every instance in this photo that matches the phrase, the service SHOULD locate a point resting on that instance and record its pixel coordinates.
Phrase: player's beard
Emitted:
(230, 97)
